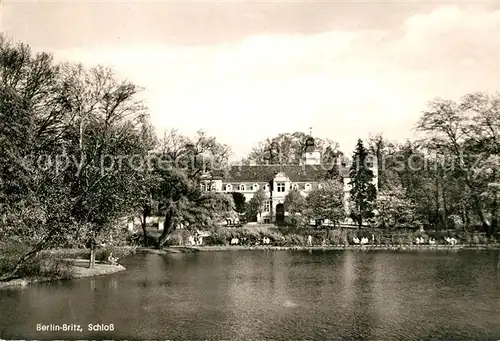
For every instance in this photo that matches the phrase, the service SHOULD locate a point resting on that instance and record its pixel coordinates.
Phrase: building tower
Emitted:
(311, 155)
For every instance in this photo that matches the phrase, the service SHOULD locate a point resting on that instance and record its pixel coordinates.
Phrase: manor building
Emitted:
(278, 180)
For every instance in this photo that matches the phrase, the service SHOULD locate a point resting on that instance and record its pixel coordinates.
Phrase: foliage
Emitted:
(295, 202)
(363, 192)
(41, 266)
(395, 210)
(380, 148)
(62, 130)
(256, 205)
(465, 136)
(327, 202)
(240, 205)
(182, 165)
(246, 235)
(288, 149)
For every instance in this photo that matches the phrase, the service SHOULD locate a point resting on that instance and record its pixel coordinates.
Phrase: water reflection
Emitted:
(273, 295)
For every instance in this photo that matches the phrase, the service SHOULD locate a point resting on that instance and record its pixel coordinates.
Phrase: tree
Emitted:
(62, 129)
(466, 133)
(256, 204)
(327, 202)
(395, 210)
(379, 147)
(181, 164)
(209, 209)
(147, 179)
(239, 203)
(295, 204)
(108, 140)
(334, 174)
(288, 149)
(34, 199)
(363, 191)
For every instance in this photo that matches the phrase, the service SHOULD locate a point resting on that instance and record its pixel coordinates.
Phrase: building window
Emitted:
(213, 188)
(242, 187)
(266, 187)
(267, 206)
(255, 187)
(320, 186)
(280, 187)
(229, 188)
(295, 187)
(202, 187)
(308, 187)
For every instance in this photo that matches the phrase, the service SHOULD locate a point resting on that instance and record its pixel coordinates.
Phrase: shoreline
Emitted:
(79, 271)
(335, 248)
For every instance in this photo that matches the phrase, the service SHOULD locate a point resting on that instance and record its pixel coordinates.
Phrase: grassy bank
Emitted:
(349, 247)
(58, 264)
(76, 268)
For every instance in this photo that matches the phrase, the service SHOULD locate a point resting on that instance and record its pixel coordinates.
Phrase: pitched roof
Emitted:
(264, 173)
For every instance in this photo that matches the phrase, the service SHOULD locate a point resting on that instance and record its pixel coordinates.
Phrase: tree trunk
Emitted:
(438, 213)
(494, 208)
(11, 274)
(93, 246)
(168, 226)
(92, 257)
(445, 207)
(143, 226)
(477, 207)
(467, 217)
(360, 217)
(484, 221)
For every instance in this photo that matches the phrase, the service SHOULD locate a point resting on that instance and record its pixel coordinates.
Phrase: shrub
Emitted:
(44, 265)
(137, 239)
(215, 240)
(58, 269)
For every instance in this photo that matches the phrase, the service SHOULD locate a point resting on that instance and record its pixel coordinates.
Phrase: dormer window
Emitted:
(308, 187)
(242, 187)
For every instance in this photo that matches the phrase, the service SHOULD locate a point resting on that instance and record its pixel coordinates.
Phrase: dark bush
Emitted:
(42, 266)
(137, 239)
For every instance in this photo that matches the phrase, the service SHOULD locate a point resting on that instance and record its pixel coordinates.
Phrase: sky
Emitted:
(244, 71)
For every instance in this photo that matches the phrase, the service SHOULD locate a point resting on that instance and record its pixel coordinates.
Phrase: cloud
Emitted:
(345, 84)
(449, 37)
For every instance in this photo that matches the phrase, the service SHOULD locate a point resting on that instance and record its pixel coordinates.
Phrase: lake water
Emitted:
(278, 295)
